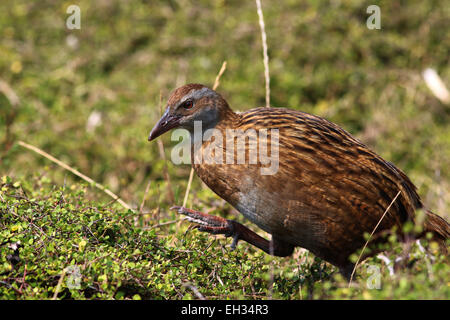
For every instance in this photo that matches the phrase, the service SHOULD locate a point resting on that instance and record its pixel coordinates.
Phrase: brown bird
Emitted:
(297, 176)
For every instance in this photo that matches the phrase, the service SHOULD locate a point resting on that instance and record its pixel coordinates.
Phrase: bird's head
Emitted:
(187, 104)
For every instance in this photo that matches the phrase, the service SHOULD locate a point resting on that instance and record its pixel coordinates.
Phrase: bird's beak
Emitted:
(164, 124)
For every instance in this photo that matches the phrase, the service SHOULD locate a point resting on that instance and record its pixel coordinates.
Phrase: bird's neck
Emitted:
(202, 133)
(224, 118)
(227, 119)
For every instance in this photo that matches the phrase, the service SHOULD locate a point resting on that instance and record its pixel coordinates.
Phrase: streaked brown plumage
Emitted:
(328, 191)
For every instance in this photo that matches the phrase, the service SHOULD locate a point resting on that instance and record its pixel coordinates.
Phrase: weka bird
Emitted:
(328, 191)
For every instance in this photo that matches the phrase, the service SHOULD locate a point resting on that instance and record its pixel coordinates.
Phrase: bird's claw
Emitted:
(209, 223)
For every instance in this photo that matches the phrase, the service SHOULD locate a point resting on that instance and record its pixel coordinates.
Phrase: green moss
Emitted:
(103, 253)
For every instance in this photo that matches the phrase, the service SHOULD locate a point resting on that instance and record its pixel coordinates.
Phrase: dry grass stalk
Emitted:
(267, 78)
(373, 231)
(58, 286)
(186, 195)
(219, 75)
(10, 114)
(9, 93)
(436, 85)
(266, 56)
(144, 198)
(164, 223)
(166, 172)
(76, 172)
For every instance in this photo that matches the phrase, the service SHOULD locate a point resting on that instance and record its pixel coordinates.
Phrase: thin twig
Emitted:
(58, 286)
(194, 290)
(75, 172)
(266, 56)
(373, 231)
(165, 223)
(10, 287)
(144, 198)
(23, 278)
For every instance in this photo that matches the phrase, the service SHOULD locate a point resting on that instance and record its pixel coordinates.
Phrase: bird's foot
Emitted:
(211, 224)
(231, 228)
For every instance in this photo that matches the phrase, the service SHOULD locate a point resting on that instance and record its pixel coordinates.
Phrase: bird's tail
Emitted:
(437, 226)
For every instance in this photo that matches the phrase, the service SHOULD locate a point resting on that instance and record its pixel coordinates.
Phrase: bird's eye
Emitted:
(188, 104)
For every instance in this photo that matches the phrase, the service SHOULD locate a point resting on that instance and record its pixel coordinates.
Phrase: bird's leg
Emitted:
(230, 228)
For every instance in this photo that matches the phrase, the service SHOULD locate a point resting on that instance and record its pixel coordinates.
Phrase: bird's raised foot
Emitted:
(231, 228)
(208, 223)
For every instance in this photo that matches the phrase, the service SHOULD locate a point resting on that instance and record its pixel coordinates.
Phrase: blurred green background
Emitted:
(90, 97)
